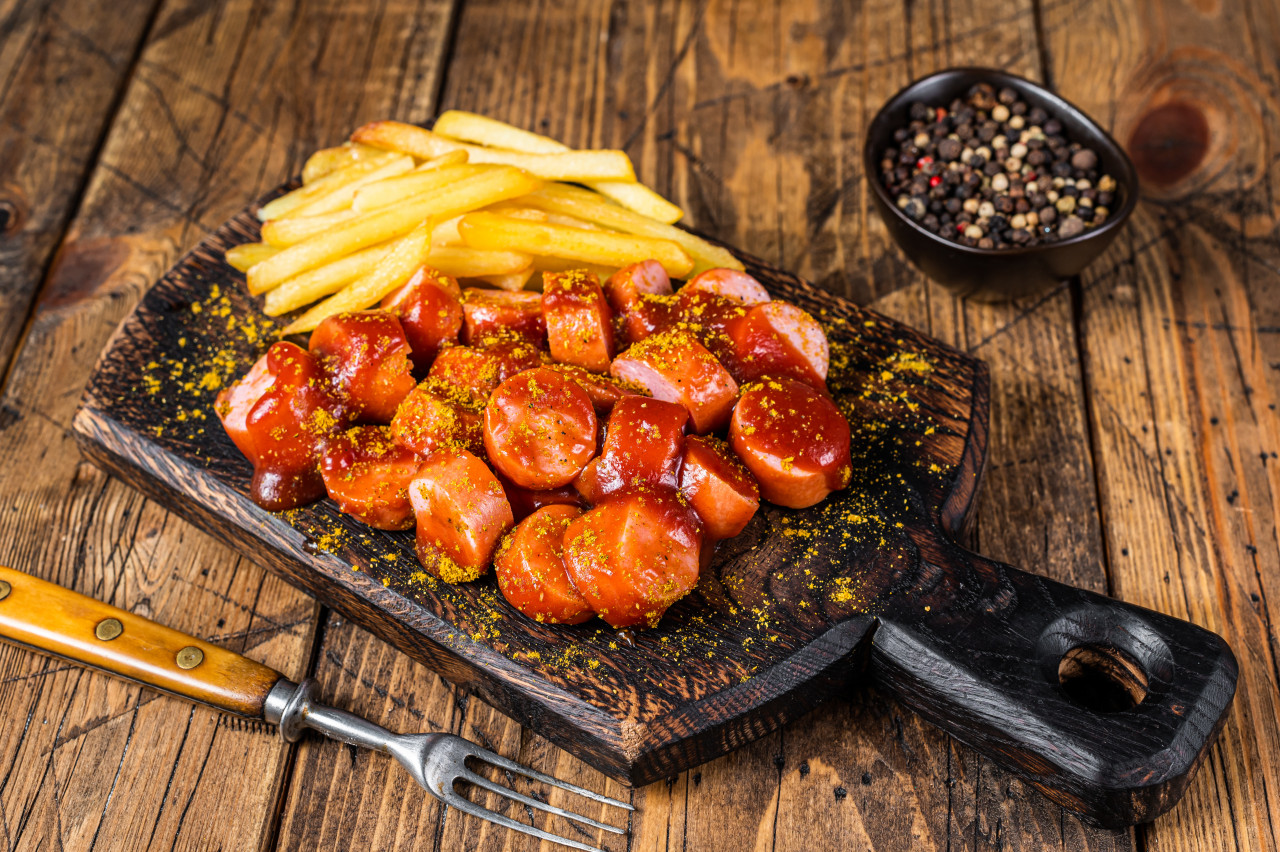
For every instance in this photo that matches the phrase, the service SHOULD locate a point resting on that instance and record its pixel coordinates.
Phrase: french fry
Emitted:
(464, 262)
(566, 165)
(452, 158)
(322, 281)
(277, 207)
(340, 198)
(512, 281)
(328, 160)
(446, 233)
(395, 189)
(378, 226)
(494, 232)
(469, 127)
(584, 204)
(289, 231)
(244, 257)
(390, 272)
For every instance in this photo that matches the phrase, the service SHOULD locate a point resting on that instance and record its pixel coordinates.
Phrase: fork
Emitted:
(46, 617)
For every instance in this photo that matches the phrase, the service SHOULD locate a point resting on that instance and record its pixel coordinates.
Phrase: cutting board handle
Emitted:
(1106, 707)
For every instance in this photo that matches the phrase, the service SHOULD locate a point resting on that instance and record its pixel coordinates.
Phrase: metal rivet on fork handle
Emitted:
(5, 589)
(108, 629)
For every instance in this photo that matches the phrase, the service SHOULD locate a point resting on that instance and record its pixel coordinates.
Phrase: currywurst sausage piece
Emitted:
(730, 283)
(718, 487)
(367, 475)
(793, 439)
(641, 298)
(675, 367)
(642, 449)
(461, 512)
(429, 306)
(435, 416)
(633, 556)
(531, 572)
(366, 358)
(779, 339)
(481, 370)
(578, 319)
(604, 390)
(501, 313)
(540, 429)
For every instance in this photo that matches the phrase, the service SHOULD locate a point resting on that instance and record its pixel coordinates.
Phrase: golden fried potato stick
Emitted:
(247, 255)
(378, 226)
(328, 160)
(464, 262)
(322, 281)
(287, 231)
(395, 268)
(567, 165)
(469, 127)
(340, 198)
(494, 232)
(395, 189)
(583, 204)
(277, 207)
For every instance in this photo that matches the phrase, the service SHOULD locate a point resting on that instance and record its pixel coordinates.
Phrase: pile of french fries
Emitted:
(475, 198)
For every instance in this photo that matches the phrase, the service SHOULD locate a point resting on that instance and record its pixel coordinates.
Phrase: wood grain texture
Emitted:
(1182, 359)
(48, 144)
(47, 617)
(222, 94)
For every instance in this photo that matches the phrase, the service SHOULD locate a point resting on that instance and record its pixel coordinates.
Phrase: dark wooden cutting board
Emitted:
(1037, 675)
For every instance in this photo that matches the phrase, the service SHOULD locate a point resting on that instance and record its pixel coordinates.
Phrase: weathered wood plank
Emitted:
(1181, 354)
(62, 66)
(225, 98)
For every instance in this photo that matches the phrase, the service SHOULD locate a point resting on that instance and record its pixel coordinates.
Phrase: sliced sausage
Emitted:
(236, 401)
(780, 339)
(732, 284)
(461, 512)
(633, 556)
(437, 416)
(367, 474)
(604, 390)
(587, 483)
(429, 306)
(578, 319)
(481, 370)
(625, 287)
(642, 449)
(531, 572)
(285, 427)
(675, 367)
(718, 487)
(366, 358)
(793, 439)
(711, 318)
(497, 314)
(540, 429)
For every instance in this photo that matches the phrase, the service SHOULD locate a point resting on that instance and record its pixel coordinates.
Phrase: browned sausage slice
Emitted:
(633, 556)
(642, 449)
(490, 314)
(367, 475)
(531, 572)
(675, 367)
(579, 322)
(540, 429)
(730, 283)
(461, 511)
(794, 439)
(718, 487)
(780, 339)
(436, 416)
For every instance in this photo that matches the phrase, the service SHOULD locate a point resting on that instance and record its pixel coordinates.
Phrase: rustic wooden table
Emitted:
(1134, 434)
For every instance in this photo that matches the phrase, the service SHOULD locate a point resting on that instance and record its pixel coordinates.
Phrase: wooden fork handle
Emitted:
(49, 618)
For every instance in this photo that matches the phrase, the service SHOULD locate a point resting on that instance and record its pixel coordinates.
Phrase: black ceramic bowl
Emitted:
(995, 274)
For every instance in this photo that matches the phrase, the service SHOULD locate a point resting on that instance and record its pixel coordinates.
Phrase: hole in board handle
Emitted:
(1102, 678)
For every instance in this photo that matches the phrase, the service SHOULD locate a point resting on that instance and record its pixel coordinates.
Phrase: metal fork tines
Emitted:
(436, 761)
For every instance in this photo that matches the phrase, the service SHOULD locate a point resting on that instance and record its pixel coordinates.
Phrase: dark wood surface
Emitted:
(1132, 410)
